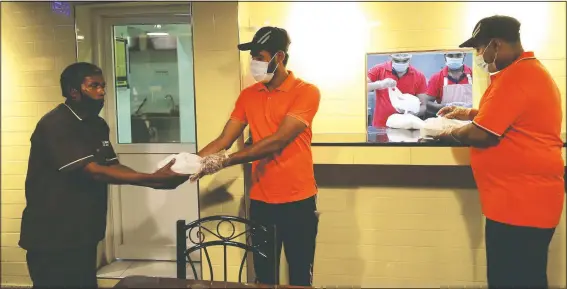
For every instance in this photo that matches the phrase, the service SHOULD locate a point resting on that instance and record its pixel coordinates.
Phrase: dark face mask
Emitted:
(91, 105)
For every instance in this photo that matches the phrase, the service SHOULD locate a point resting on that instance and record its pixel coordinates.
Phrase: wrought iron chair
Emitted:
(184, 232)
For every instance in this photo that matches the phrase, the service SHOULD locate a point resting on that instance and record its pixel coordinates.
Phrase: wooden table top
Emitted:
(160, 282)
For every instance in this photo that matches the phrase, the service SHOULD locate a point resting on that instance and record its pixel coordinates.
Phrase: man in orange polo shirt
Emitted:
(279, 110)
(451, 85)
(515, 155)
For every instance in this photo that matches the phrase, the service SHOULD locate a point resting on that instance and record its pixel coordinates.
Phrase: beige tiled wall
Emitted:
(36, 45)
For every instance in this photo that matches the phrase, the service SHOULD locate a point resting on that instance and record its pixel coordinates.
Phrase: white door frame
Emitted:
(103, 20)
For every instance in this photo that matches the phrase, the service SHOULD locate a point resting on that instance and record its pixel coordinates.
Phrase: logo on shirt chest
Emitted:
(105, 143)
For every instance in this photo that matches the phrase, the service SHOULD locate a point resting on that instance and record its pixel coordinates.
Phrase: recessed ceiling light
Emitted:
(158, 33)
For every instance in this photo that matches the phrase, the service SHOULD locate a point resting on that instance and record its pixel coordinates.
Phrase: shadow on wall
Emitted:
(216, 196)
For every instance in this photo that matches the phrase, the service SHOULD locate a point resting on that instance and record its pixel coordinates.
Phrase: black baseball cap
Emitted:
(268, 38)
(497, 26)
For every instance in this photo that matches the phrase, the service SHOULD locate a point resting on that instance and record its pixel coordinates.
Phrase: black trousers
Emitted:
(296, 228)
(72, 268)
(516, 256)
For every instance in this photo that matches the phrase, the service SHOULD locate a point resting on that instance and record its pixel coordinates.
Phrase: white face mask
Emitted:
(454, 63)
(479, 59)
(400, 67)
(259, 70)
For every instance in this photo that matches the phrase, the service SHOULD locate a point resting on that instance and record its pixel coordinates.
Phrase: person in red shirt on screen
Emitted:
(452, 85)
(395, 73)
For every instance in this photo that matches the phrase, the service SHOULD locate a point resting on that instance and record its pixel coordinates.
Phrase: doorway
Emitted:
(146, 53)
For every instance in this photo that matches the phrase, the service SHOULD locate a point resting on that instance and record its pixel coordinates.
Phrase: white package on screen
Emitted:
(403, 102)
(185, 163)
(404, 121)
(402, 135)
(435, 125)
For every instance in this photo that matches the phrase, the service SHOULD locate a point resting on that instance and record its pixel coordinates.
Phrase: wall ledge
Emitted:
(380, 155)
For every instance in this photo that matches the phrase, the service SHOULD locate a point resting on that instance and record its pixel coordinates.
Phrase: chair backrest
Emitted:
(225, 239)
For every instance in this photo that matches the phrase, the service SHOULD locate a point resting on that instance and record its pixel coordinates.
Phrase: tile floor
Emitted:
(121, 269)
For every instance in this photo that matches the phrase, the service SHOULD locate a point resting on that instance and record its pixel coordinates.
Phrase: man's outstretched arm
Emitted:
(288, 130)
(232, 130)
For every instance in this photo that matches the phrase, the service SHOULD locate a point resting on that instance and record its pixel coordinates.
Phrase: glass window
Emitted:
(155, 95)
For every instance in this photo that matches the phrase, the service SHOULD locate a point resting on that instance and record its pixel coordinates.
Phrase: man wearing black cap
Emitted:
(515, 155)
(279, 109)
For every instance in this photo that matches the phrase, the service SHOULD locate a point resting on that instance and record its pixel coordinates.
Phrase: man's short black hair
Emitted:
(73, 76)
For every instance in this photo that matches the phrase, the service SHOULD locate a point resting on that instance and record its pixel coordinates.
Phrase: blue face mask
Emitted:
(400, 67)
(454, 63)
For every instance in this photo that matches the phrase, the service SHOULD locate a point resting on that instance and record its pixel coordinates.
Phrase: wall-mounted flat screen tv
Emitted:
(409, 87)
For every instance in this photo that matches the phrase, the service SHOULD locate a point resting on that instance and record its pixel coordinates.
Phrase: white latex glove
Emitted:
(455, 112)
(437, 134)
(210, 165)
(447, 135)
(389, 83)
(382, 84)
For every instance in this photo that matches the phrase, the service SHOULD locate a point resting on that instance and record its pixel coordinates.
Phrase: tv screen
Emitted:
(406, 88)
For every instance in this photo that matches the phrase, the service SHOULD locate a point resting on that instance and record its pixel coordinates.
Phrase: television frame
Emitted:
(465, 50)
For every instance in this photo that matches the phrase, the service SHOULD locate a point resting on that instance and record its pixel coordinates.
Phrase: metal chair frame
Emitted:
(184, 232)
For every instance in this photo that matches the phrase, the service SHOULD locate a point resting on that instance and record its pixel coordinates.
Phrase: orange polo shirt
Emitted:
(287, 176)
(520, 180)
